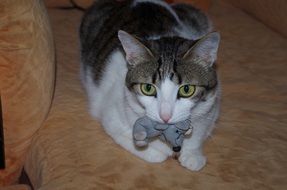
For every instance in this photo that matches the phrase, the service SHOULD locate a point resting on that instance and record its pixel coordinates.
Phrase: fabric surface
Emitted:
(272, 13)
(247, 149)
(16, 187)
(26, 78)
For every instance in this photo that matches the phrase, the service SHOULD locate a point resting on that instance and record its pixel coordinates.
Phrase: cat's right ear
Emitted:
(205, 49)
(135, 51)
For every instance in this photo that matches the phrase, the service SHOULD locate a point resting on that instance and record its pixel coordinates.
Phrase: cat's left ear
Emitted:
(136, 52)
(205, 49)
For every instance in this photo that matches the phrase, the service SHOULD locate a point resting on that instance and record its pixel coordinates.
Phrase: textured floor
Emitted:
(247, 150)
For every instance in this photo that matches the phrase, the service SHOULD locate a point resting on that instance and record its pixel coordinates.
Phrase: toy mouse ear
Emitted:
(160, 126)
(184, 125)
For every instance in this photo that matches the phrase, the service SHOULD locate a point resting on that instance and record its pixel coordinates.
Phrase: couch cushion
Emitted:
(246, 151)
(16, 187)
(26, 78)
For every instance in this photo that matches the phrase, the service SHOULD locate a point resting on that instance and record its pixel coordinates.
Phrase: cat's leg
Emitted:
(191, 155)
(119, 130)
(155, 152)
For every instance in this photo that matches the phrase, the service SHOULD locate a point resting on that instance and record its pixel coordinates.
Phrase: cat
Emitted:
(148, 58)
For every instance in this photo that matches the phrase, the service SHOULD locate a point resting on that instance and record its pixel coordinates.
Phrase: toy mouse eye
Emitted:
(186, 91)
(148, 89)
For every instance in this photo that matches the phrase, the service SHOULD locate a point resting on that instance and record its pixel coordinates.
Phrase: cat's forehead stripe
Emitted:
(171, 76)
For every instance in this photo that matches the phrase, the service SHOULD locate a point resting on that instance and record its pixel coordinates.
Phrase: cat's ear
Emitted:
(135, 51)
(205, 49)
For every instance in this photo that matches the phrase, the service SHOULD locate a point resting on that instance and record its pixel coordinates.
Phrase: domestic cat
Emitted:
(148, 58)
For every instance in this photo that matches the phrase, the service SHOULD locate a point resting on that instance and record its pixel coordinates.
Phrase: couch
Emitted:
(67, 149)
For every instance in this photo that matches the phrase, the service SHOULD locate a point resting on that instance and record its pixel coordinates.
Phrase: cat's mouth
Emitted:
(154, 118)
(158, 120)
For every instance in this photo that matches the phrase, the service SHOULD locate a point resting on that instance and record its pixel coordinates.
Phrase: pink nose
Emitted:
(165, 111)
(165, 117)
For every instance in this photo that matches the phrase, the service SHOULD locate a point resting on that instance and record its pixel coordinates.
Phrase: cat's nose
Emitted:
(165, 111)
(165, 117)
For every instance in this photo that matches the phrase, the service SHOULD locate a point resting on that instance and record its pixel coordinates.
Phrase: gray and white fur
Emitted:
(130, 45)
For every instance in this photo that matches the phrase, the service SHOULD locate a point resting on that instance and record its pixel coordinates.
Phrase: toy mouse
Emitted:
(146, 128)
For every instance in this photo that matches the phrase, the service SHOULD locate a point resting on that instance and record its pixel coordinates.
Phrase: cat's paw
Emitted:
(141, 143)
(154, 156)
(194, 162)
(156, 151)
(150, 153)
(140, 139)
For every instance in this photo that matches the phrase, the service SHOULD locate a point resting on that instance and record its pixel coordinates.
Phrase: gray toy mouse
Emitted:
(146, 128)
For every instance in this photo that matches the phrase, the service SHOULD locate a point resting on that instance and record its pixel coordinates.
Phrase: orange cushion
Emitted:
(16, 187)
(26, 78)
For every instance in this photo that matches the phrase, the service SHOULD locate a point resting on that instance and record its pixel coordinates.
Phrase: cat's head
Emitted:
(170, 76)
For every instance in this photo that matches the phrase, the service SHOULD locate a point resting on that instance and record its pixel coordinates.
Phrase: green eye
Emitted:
(148, 89)
(186, 91)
